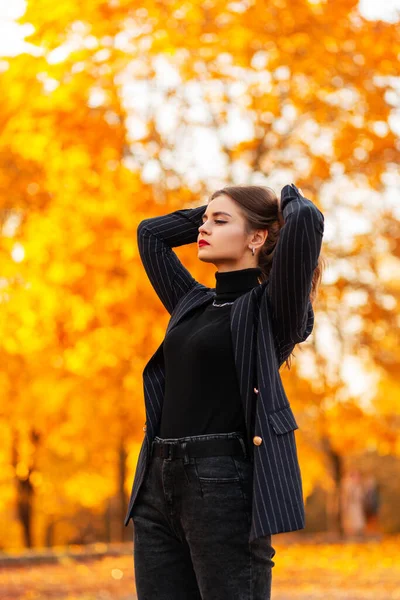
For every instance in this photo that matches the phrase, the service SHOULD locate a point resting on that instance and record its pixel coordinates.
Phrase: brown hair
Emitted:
(259, 205)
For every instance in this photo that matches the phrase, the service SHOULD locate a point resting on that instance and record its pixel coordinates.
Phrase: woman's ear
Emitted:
(260, 236)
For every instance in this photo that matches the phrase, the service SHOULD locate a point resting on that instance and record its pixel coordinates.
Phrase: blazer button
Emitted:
(145, 428)
(255, 390)
(257, 440)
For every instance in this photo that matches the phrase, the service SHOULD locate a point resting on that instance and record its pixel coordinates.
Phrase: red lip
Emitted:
(203, 243)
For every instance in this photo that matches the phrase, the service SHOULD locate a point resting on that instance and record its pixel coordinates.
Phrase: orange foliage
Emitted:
(79, 319)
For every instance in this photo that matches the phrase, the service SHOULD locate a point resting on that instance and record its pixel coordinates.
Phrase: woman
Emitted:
(218, 472)
(352, 504)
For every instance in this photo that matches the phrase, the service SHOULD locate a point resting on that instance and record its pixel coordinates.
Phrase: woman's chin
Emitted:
(204, 256)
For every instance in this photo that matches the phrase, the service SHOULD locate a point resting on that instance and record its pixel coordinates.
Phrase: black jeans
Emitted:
(191, 524)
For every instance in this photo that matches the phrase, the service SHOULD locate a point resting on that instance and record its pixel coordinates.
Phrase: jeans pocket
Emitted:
(216, 469)
(244, 466)
(245, 469)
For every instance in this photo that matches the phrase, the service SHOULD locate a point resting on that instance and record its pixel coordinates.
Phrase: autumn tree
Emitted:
(100, 129)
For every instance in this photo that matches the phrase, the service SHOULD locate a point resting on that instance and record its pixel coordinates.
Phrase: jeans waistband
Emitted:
(205, 437)
(214, 440)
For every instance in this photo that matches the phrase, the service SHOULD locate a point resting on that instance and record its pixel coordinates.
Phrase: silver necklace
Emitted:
(224, 304)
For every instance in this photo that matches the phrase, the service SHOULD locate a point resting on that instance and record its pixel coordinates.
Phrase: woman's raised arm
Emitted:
(295, 258)
(156, 237)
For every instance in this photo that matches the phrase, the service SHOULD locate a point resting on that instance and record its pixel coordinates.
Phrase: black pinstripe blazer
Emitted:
(266, 323)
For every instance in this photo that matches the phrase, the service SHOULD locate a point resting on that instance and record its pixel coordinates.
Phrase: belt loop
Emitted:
(185, 453)
(170, 450)
(243, 446)
(173, 450)
(153, 447)
(164, 450)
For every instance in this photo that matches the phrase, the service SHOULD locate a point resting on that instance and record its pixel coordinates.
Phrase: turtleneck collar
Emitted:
(232, 284)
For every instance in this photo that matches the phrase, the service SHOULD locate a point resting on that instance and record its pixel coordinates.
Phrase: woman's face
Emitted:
(228, 243)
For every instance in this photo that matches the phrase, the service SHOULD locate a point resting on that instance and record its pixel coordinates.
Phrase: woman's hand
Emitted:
(280, 216)
(297, 189)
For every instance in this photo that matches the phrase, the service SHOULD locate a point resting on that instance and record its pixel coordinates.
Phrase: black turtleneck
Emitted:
(202, 393)
(232, 284)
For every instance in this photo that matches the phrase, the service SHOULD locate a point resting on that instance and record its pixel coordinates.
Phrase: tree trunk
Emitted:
(334, 508)
(25, 490)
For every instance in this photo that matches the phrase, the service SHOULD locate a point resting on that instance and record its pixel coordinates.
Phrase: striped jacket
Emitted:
(266, 323)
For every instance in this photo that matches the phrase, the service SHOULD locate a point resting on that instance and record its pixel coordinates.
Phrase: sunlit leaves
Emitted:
(82, 138)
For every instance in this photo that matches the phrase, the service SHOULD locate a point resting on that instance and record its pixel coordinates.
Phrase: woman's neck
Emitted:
(232, 284)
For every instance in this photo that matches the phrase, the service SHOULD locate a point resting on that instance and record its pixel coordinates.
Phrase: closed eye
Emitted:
(217, 221)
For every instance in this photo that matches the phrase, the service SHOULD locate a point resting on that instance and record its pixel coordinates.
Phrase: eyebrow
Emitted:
(218, 212)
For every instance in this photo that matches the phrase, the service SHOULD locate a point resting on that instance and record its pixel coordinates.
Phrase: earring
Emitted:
(252, 250)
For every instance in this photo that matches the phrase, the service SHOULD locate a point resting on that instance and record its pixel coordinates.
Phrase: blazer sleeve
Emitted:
(295, 258)
(156, 237)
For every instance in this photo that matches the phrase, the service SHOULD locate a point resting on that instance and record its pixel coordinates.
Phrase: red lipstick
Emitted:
(203, 243)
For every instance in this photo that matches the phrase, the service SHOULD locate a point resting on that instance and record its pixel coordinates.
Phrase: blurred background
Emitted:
(113, 111)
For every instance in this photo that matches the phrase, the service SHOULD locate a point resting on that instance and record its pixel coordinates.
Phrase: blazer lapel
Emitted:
(196, 297)
(244, 321)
